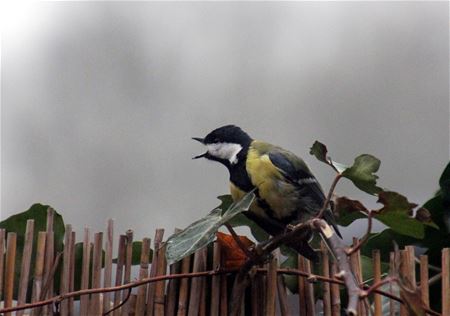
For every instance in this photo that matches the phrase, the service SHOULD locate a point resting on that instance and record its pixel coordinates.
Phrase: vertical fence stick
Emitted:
(172, 288)
(355, 261)
(9, 271)
(38, 270)
(411, 268)
(196, 283)
(127, 274)
(184, 287)
(72, 271)
(335, 294)
(377, 278)
(25, 269)
(301, 287)
(119, 271)
(424, 288)
(223, 295)
(281, 288)
(258, 294)
(392, 303)
(326, 295)
(215, 283)
(404, 272)
(153, 271)
(160, 286)
(49, 259)
(271, 286)
(2, 258)
(94, 306)
(84, 299)
(309, 293)
(107, 276)
(64, 284)
(143, 273)
(446, 281)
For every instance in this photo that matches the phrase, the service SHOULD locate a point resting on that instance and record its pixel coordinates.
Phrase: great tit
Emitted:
(286, 190)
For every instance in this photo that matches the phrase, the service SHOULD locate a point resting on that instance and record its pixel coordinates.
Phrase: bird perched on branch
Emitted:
(286, 190)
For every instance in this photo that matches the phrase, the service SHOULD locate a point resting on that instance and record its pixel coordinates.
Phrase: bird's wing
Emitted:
(295, 171)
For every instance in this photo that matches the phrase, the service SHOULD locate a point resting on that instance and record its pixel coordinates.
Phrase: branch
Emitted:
(363, 240)
(338, 248)
(329, 196)
(238, 241)
(121, 303)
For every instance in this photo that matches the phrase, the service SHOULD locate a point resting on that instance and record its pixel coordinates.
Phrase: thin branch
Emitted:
(121, 303)
(363, 240)
(377, 285)
(329, 196)
(238, 241)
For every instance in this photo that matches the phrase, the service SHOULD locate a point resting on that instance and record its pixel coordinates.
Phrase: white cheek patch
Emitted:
(225, 151)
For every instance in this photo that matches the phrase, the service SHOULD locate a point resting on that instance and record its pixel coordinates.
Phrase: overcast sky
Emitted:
(100, 99)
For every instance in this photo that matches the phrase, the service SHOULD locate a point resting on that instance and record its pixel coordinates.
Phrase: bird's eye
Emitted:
(216, 140)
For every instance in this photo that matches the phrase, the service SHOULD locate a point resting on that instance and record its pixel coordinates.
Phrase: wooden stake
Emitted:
(184, 287)
(72, 271)
(377, 278)
(127, 275)
(2, 258)
(49, 259)
(335, 294)
(95, 308)
(196, 283)
(25, 269)
(282, 296)
(309, 290)
(392, 303)
(108, 264)
(271, 286)
(38, 270)
(143, 273)
(355, 261)
(65, 278)
(153, 271)
(172, 288)
(119, 271)
(424, 288)
(223, 295)
(325, 285)
(9, 272)
(85, 269)
(301, 288)
(215, 283)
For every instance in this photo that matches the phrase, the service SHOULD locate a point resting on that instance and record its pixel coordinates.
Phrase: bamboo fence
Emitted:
(195, 286)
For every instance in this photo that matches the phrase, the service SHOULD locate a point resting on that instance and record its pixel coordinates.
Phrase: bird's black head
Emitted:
(224, 144)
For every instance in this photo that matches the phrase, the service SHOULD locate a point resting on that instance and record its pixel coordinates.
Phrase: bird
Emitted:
(286, 191)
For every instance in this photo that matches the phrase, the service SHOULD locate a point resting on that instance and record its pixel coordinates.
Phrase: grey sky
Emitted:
(100, 99)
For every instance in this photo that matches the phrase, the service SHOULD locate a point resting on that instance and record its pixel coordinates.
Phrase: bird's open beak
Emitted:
(201, 140)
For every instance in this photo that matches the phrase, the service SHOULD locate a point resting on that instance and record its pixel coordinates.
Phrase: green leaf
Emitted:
(320, 151)
(397, 214)
(348, 210)
(17, 223)
(202, 232)
(384, 242)
(362, 173)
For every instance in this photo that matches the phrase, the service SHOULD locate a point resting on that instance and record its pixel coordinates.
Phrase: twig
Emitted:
(121, 303)
(338, 249)
(377, 285)
(329, 196)
(239, 241)
(288, 271)
(363, 240)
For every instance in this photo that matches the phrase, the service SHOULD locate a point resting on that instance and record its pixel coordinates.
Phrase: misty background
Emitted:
(100, 100)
